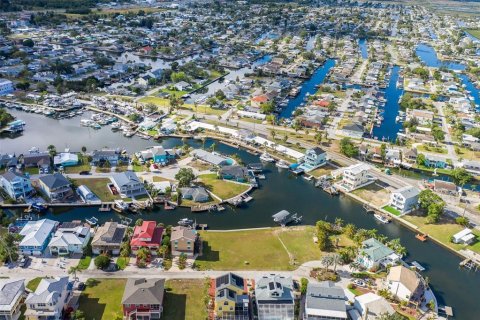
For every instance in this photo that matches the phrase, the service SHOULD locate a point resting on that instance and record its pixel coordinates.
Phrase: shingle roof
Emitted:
(37, 232)
(325, 299)
(274, 287)
(9, 290)
(405, 276)
(124, 178)
(48, 290)
(408, 191)
(375, 250)
(11, 175)
(54, 181)
(144, 291)
(183, 232)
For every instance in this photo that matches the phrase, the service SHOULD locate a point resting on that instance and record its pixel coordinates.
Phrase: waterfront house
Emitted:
(353, 130)
(147, 235)
(465, 236)
(433, 161)
(16, 184)
(6, 87)
(65, 159)
(410, 156)
(405, 199)
(70, 238)
(324, 300)
(184, 240)
(235, 173)
(274, 297)
(423, 117)
(372, 306)
(209, 157)
(143, 298)
(8, 161)
(405, 284)
(472, 166)
(11, 295)
(314, 158)
(128, 184)
(108, 238)
(356, 176)
(158, 154)
(393, 157)
(445, 187)
(196, 194)
(49, 300)
(374, 255)
(231, 298)
(101, 156)
(55, 186)
(36, 235)
(36, 160)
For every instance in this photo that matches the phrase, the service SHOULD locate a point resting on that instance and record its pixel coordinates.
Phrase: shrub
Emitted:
(102, 261)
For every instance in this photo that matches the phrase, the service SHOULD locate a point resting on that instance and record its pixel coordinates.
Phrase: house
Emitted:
(274, 297)
(231, 298)
(410, 155)
(36, 160)
(87, 195)
(55, 186)
(209, 157)
(108, 238)
(423, 117)
(353, 130)
(465, 236)
(36, 236)
(433, 161)
(375, 255)
(235, 173)
(65, 159)
(356, 176)
(371, 306)
(128, 184)
(6, 87)
(8, 161)
(314, 158)
(70, 238)
(143, 298)
(182, 86)
(184, 240)
(405, 199)
(393, 157)
(16, 184)
(148, 235)
(196, 194)
(101, 156)
(158, 154)
(49, 299)
(472, 166)
(11, 295)
(324, 300)
(405, 284)
(445, 187)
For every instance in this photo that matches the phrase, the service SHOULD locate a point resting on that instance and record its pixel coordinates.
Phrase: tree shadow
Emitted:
(92, 307)
(174, 306)
(208, 254)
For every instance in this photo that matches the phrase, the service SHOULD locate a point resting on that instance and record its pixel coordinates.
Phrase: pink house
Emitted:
(147, 235)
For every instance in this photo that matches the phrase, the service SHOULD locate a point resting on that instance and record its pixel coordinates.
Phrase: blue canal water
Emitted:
(389, 128)
(362, 43)
(474, 91)
(428, 55)
(308, 86)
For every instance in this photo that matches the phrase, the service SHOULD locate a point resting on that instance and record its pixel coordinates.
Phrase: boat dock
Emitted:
(472, 262)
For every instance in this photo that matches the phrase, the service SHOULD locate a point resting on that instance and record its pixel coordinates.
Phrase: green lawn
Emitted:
(33, 284)
(222, 188)
(184, 300)
(101, 300)
(442, 231)
(77, 169)
(439, 150)
(474, 32)
(392, 210)
(122, 262)
(175, 93)
(84, 263)
(31, 170)
(324, 170)
(99, 187)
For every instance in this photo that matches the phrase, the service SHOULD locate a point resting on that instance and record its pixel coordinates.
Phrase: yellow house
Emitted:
(231, 298)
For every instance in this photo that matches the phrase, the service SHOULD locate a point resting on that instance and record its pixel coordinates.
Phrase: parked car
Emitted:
(24, 262)
(84, 173)
(359, 283)
(80, 286)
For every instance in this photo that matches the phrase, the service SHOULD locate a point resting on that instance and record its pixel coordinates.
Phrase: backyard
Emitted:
(102, 299)
(222, 188)
(99, 187)
(184, 300)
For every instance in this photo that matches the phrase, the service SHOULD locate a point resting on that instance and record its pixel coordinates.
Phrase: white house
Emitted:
(274, 297)
(314, 158)
(371, 306)
(324, 300)
(6, 87)
(70, 238)
(128, 184)
(11, 296)
(36, 235)
(356, 176)
(374, 254)
(405, 284)
(49, 299)
(405, 199)
(464, 237)
(16, 184)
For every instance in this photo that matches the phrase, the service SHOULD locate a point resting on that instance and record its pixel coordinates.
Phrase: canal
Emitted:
(428, 55)
(308, 87)
(280, 190)
(362, 43)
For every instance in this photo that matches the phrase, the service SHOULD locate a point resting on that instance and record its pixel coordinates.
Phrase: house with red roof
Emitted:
(146, 50)
(147, 235)
(256, 101)
(322, 103)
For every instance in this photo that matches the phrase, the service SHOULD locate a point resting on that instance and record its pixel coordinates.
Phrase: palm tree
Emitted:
(73, 270)
(203, 142)
(327, 260)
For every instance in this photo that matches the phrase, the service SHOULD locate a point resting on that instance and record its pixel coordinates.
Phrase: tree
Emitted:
(73, 270)
(461, 176)
(348, 148)
(318, 137)
(350, 230)
(84, 149)
(421, 159)
(78, 315)
(303, 285)
(326, 261)
(52, 150)
(185, 176)
(102, 261)
(8, 248)
(139, 222)
(142, 257)
(182, 261)
(394, 316)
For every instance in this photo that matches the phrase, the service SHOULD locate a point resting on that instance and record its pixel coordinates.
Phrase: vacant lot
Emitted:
(102, 299)
(99, 187)
(184, 300)
(326, 169)
(374, 194)
(222, 188)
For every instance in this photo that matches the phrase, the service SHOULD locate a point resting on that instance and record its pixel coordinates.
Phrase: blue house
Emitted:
(314, 158)
(36, 236)
(432, 161)
(158, 154)
(16, 184)
(235, 173)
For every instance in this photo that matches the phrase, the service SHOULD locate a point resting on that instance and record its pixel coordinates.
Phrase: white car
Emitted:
(359, 283)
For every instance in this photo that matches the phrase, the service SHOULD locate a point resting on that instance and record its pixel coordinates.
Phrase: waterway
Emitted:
(362, 43)
(389, 128)
(309, 87)
(428, 55)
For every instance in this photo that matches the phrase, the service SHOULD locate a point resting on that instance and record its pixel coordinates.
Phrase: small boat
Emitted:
(92, 221)
(282, 164)
(266, 157)
(121, 204)
(417, 266)
(185, 222)
(381, 218)
(421, 237)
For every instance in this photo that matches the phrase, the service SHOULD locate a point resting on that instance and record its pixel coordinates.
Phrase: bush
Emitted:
(462, 221)
(102, 261)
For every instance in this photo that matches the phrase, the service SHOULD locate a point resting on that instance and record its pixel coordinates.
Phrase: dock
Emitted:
(201, 208)
(472, 260)
(105, 207)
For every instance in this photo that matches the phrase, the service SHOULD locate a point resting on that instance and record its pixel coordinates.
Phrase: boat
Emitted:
(282, 164)
(421, 237)
(266, 157)
(39, 207)
(121, 204)
(381, 218)
(116, 125)
(185, 222)
(417, 266)
(255, 167)
(92, 221)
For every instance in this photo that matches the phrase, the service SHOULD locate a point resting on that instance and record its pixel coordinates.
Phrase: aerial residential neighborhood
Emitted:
(270, 160)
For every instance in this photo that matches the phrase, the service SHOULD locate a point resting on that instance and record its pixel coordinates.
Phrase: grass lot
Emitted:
(199, 165)
(474, 32)
(162, 103)
(84, 263)
(227, 250)
(204, 109)
(442, 231)
(392, 210)
(467, 153)
(222, 188)
(439, 150)
(33, 284)
(31, 171)
(184, 300)
(374, 194)
(83, 166)
(174, 93)
(101, 300)
(158, 179)
(99, 187)
(326, 169)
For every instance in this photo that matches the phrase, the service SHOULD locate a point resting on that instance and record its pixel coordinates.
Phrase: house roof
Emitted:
(229, 279)
(36, 232)
(375, 250)
(208, 156)
(54, 181)
(375, 304)
(64, 237)
(274, 288)
(148, 230)
(125, 178)
(183, 232)
(109, 233)
(405, 276)
(12, 175)
(408, 191)
(353, 127)
(48, 290)
(144, 291)
(325, 299)
(10, 290)
(317, 150)
(35, 158)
